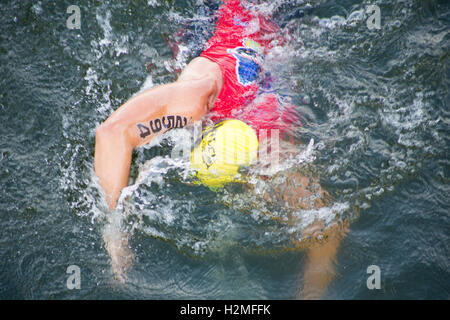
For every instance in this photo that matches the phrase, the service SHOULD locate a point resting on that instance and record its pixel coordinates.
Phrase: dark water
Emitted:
(377, 102)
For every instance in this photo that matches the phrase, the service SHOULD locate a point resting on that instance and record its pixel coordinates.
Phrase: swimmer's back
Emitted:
(238, 47)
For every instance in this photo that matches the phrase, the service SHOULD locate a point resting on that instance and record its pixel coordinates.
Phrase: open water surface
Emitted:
(376, 104)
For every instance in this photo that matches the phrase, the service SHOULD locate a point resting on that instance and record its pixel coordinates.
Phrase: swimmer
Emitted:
(227, 79)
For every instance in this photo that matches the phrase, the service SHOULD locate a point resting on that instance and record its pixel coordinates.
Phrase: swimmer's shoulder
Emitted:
(200, 68)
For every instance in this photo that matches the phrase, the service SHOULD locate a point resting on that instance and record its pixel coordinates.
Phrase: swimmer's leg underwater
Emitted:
(321, 252)
(302, 191)
(321, 243)
(319, 269)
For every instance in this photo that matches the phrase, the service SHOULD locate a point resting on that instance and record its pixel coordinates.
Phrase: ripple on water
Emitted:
(374, 118)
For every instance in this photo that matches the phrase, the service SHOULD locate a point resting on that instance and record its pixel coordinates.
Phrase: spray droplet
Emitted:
(306, 99)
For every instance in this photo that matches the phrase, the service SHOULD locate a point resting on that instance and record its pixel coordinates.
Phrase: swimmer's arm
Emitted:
(190, 98)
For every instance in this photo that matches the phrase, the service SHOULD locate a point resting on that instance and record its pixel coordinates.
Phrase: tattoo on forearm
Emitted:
(157, 124)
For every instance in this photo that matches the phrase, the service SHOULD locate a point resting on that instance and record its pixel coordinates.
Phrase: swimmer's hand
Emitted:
(116, 243)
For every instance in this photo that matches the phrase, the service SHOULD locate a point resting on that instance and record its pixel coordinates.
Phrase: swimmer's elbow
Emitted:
(212, 87)
(111, 131)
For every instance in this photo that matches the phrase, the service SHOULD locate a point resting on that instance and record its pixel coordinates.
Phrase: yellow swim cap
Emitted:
(224, 148)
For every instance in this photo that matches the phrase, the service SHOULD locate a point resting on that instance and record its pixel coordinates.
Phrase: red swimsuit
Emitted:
(238, 47)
